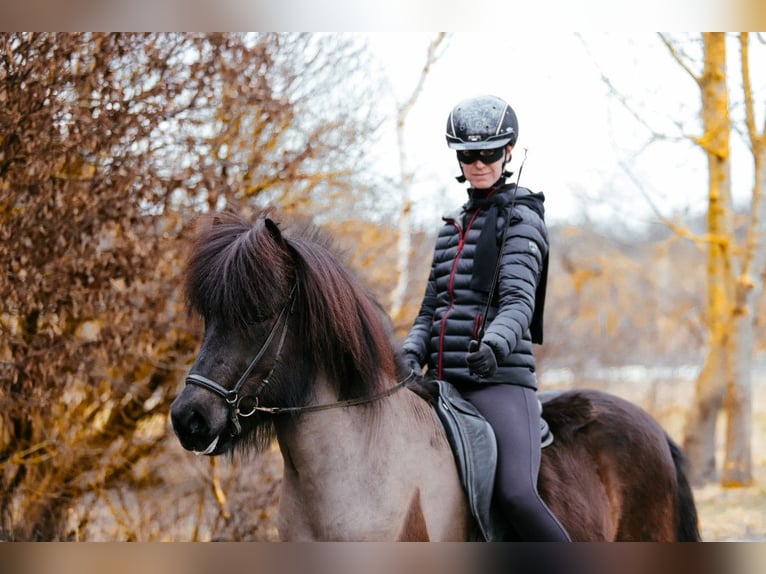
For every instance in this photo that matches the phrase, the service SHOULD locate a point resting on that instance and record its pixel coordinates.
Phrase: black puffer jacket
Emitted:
(455, 299)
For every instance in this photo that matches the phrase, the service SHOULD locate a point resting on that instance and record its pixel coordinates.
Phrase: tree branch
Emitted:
(747, 88)
(679, 58)
(432, 56)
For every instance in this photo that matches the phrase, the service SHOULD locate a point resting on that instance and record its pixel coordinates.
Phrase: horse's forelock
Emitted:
(233, 270)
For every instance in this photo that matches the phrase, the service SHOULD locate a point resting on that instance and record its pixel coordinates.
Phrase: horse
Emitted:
(296, 349)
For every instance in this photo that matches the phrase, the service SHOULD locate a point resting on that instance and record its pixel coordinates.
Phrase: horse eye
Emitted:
(255, 319)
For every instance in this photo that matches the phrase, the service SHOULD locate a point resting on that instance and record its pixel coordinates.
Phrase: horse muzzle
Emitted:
(200, 426)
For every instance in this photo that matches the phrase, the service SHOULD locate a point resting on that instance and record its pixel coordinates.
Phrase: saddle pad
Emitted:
(473, 444)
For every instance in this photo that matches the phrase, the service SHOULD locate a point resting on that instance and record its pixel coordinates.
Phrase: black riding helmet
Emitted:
(483, 122)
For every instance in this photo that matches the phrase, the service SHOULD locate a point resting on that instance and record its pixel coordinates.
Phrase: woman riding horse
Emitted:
(295, 348)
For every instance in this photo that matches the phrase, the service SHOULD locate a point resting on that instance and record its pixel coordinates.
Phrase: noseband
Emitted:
(231, 396)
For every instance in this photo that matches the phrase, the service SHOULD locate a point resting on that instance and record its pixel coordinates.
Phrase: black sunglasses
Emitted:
(486, 156)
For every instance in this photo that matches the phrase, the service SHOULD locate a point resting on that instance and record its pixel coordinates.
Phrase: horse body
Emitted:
(365, 458)
(621, 481)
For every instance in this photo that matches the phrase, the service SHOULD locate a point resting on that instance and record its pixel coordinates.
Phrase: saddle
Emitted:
(475, 449)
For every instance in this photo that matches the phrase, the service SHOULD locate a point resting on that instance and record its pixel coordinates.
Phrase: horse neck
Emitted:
(318, 441)
(348, 475)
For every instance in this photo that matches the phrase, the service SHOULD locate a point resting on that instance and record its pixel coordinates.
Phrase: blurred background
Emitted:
(650, 148)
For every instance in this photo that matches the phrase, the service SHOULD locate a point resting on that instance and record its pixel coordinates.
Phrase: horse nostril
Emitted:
(197, 424)
(189, 422)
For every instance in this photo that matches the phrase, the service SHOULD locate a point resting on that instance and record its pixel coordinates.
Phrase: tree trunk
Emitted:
(404, 228)
(710, 388)
(700, 430)
(737, 468)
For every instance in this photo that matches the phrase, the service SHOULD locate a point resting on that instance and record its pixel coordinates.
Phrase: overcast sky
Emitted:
(585, 150)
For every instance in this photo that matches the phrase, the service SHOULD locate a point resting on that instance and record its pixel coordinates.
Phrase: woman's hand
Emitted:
(481, 361)
(413, 363)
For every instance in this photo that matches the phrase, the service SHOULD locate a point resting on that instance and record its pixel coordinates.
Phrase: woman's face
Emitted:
(482, 175)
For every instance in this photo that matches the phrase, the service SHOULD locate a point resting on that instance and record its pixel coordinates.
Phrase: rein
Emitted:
(233, 400)
(339, 404)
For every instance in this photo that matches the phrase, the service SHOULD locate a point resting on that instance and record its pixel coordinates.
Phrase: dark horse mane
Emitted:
(242, 271)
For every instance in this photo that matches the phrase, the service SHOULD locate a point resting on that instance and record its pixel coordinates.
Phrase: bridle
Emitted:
(231, 396)
(233, 400)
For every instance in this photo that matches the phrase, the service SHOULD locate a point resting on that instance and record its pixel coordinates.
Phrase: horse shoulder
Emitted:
(428, 465)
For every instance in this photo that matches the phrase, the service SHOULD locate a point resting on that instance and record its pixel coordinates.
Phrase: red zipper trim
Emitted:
(451, 291)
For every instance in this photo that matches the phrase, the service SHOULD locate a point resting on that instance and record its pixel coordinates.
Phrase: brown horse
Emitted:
(294, 348)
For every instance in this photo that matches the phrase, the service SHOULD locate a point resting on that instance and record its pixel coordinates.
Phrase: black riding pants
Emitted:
(513, 412)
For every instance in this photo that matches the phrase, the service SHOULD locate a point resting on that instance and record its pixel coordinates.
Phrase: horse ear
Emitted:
(274, 230)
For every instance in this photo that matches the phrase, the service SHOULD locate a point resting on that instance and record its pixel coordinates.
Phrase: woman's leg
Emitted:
(514, 414)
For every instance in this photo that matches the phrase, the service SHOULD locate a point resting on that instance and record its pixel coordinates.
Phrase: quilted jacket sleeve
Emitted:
(419, 335)
(525, 247)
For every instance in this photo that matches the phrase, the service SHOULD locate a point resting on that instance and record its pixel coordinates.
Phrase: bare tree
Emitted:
(109, 144)
(737, 467)
(733, 268)
(699, 437)
(435, 50)
(733, 273)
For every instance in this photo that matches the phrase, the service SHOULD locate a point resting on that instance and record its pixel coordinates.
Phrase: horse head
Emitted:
(279, 312)
(240, 281)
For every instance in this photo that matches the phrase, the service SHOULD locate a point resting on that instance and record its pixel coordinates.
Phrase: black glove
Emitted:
(481, 361)
(412, 362)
